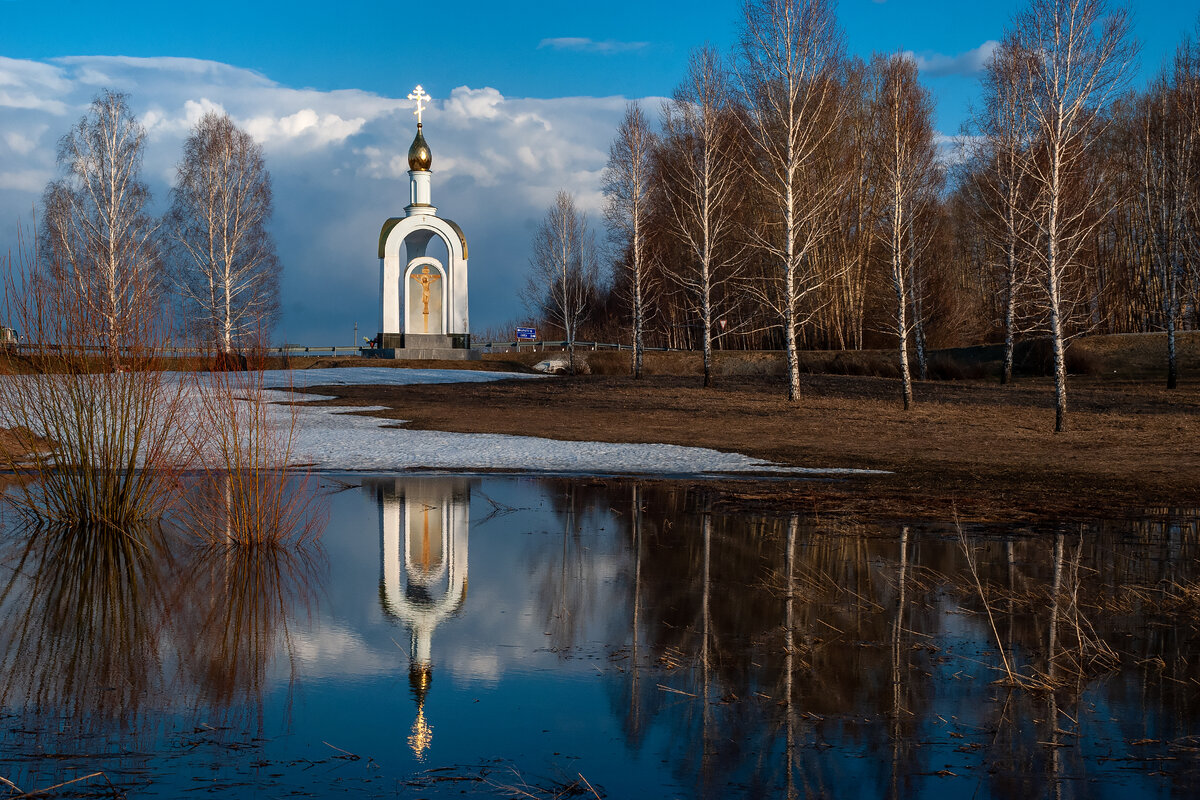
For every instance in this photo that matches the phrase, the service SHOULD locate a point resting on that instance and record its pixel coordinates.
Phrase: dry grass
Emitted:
(1134, 356)
(104, 432)
(1075, 653)
(97, 433)
(248, 496)
(988, 451)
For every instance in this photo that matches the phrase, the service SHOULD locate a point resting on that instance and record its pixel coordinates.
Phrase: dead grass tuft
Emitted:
(249, 495)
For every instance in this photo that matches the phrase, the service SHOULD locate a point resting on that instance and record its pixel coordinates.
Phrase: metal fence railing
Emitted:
(549, 344)
(290, 349)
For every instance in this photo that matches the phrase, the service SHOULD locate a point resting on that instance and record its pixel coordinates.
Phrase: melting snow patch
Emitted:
(334, 439)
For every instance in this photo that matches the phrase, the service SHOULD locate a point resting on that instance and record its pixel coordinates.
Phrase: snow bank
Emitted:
(344, 439)
(331, 438)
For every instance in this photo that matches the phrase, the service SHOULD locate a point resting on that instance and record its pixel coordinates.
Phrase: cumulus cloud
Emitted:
(33, 86)
(23, 143)
(584, 45)
(320, 129)
(25, 181)
(969, 63)
(338, 161)
(467, 104)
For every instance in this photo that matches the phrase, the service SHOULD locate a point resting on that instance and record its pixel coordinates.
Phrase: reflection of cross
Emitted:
(419, 95)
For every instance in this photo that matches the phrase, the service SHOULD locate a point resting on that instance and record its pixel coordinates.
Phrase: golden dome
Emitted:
(419, 157)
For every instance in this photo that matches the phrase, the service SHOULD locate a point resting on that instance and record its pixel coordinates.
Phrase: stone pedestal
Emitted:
(424, 346)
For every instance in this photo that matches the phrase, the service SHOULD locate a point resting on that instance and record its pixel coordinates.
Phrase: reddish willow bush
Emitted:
(103, 433)
(247, 496)
(94, 419)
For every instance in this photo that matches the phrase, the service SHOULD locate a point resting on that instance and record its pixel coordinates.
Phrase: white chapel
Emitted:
(422, 270)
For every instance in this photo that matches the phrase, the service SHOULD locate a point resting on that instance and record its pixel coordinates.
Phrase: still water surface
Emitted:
(549, 637)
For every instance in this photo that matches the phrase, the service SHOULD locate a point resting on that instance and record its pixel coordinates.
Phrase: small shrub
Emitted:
(94, 423)
(246, 495)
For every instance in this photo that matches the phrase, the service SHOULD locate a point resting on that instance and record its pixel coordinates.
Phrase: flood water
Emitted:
(576, 637)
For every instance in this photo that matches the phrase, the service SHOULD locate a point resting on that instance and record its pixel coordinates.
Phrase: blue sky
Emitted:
(638, 50)
(321, 86)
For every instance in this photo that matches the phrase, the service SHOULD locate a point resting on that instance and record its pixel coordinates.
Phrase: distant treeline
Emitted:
(794, 196)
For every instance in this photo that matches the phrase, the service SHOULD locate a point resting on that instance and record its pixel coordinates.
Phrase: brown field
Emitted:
(969, 448)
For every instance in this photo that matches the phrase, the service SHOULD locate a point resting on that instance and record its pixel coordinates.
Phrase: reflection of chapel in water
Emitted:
(423, 529)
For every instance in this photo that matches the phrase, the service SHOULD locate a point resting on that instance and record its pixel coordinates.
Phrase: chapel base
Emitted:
(425, 347)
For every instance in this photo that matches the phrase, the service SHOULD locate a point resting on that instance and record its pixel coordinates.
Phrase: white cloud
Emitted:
(92, 76)
(21, 73)
(22, 144)
(32, 85)
(338, 161)
(318, 129)
(466, 103)
(26, 181)
(158, 69)
(952, 150)
(969, 63)
(585, 45)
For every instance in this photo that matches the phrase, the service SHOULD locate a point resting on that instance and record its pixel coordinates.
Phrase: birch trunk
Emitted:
(1073, 56)
(700, 166)
(790, 50)
(626, 182)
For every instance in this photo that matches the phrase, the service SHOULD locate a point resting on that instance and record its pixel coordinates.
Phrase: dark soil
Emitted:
(972, 449)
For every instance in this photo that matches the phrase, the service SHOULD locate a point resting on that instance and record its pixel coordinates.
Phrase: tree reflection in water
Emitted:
(698, 651)
(234, 618)
(113, 631)
(818, 641)
(86, 614)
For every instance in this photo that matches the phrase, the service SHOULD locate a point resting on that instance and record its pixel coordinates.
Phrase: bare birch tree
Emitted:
(1003, 189)
(700, 181)
(1075, 57)
(906, 164)
(857, 208)
(925, 220)
(1187, 81)
(790, 53)
(226, 268)
(1168, 116)
(97, 236)
(627, 182)
(563, 270)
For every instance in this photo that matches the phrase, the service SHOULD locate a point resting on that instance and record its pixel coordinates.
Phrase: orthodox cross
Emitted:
(419, 95)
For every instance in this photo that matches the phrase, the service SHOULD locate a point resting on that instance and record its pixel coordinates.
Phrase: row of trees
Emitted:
(796, 197)
(209, 260)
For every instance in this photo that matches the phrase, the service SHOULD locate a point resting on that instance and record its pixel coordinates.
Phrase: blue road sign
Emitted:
(527, 333)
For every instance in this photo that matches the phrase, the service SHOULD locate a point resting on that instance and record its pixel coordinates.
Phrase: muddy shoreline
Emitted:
(972, 450)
